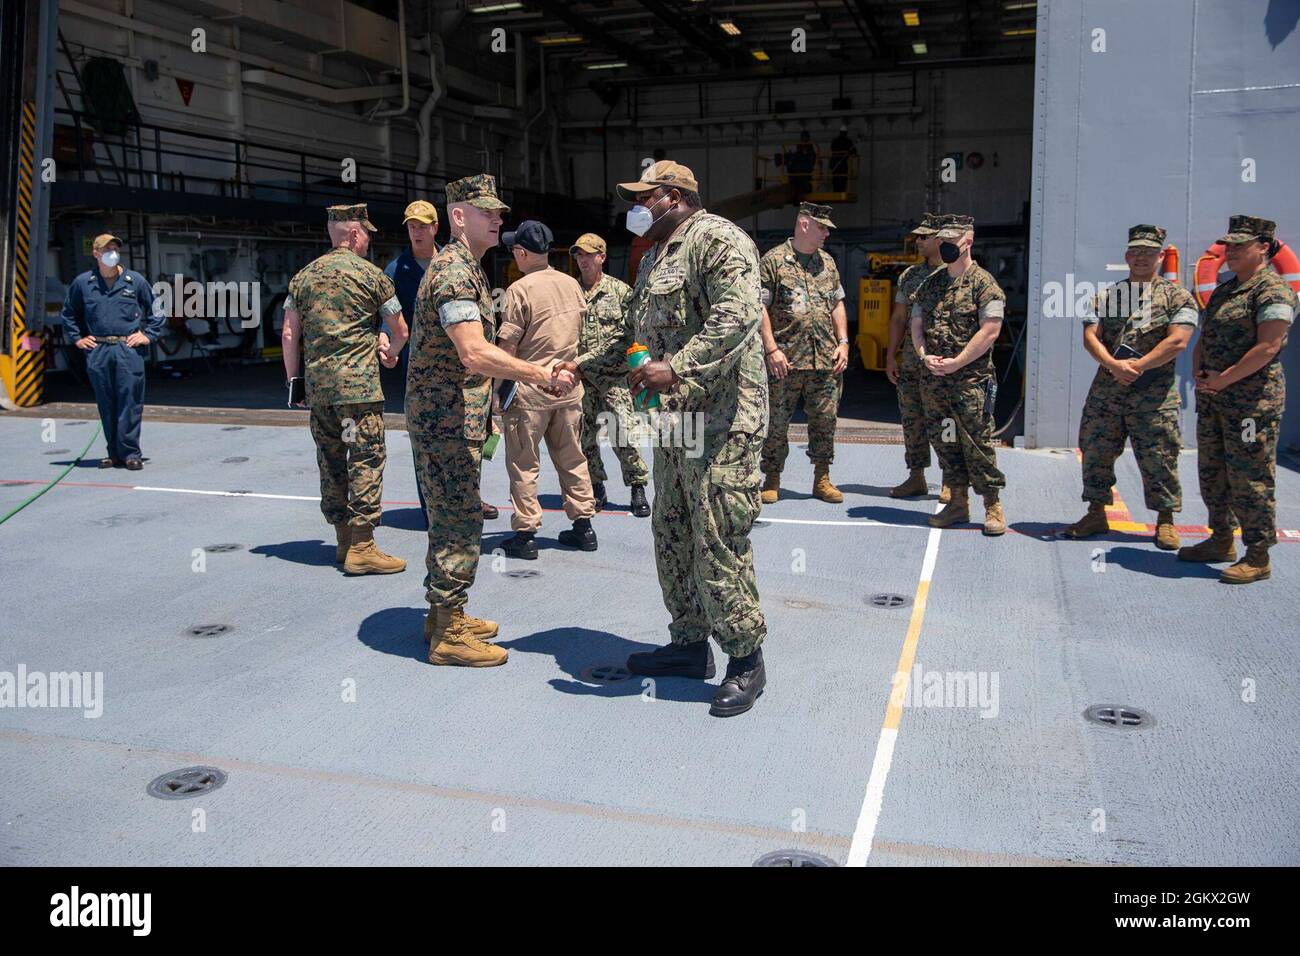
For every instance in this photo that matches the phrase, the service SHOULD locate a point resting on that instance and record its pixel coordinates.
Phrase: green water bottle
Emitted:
(637, 356)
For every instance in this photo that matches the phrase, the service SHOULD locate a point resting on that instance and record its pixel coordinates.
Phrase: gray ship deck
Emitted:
(537, 763)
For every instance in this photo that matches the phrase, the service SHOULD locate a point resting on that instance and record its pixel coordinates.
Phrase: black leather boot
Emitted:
(744, 683)
(582, 535)
(674, 660)
(521, 546)
(640, 507)
(598, 492)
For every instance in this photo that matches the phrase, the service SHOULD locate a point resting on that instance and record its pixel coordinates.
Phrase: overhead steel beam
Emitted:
(877, 38)
(696, 38)
(560, 9)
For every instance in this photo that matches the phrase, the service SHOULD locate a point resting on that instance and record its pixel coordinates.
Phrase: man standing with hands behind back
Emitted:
(336, 302)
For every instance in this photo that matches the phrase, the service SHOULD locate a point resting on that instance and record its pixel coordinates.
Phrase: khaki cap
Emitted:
(421, 211)
(588, 242)
(103, 240)
(663, 173)
(353, 213)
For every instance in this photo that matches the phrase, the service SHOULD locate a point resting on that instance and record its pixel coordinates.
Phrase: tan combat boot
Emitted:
(364, 557)
(771, 488)
(1094, 522)
(483, 630)
(955, 512)
(1253, 567)
(343, 537)
(915, 485)
(995, 521)
(453, 643)
(945, 494)
(1219, 546)
(822, 487)
(1166, 538)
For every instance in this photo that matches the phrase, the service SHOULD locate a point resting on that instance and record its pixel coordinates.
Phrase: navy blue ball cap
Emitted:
(532, 235)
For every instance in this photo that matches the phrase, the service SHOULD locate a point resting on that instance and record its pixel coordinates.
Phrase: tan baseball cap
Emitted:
(421, 211)
(587, 242)
(663, 173)
(103, 240)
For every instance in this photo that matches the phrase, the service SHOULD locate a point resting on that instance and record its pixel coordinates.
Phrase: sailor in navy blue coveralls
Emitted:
(109, 315)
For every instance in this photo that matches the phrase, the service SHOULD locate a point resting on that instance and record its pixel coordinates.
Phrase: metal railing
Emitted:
(811, 170)
(183, 161)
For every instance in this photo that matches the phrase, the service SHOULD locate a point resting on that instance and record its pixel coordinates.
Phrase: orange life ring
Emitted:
(1285, 262)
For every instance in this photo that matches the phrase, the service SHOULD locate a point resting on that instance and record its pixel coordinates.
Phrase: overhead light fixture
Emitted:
(558, 41)
(1027, 32)
(919, 48)
(497, 8)
(617, 64)
(911, 18)
(1019, 6)
(729, 28)
(760, 55)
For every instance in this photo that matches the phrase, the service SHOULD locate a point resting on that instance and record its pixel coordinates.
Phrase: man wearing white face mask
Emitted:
(696, 310)
(109, 315)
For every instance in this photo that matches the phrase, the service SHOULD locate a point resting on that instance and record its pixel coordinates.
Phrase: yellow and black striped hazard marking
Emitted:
(23, 371)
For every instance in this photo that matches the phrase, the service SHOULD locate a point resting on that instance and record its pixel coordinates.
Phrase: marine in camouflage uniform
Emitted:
(911, 412)
(1138, 315)
(341, 300)
(695, 306)
(801, 293)
(950, 311)
(448, 407)
(603, 341)
(1237, 424)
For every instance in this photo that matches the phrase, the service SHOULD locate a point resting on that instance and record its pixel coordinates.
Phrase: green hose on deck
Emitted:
(56, 480)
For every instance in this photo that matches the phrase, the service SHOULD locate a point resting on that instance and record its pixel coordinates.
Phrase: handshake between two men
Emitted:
(654, 377)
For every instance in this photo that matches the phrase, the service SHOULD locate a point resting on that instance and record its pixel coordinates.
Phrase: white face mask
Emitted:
(640, 218)
(111, 258)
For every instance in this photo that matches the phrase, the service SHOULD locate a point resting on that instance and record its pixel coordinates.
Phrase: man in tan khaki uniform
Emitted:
(542, 317)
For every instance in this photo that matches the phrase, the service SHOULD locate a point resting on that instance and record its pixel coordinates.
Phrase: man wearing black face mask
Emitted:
(956, 317)
(696, 308)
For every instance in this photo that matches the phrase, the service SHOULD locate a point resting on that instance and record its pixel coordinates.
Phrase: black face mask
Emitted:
(949, 252)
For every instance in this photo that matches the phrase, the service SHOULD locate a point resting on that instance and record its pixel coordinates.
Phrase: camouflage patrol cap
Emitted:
(928, 225)
(954, 226)
(102, 241)
(480, 191)
(663, 173)
(1145, 235)
(421, 211)
(587, 242)
(816, 213)
(354, 213)
(1246, 228)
